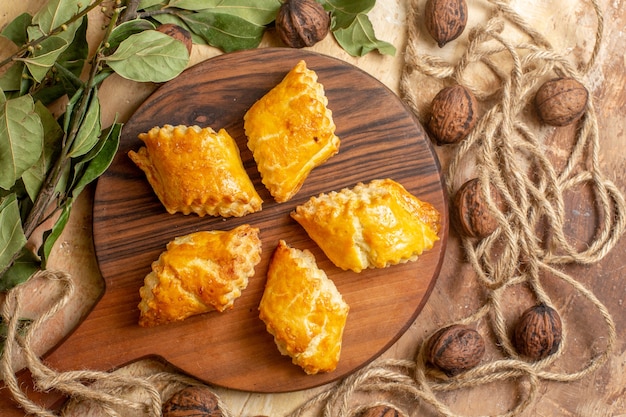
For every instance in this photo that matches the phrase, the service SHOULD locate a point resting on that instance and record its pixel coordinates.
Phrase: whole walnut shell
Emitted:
(445, 20)
(380, 411)
(455, 349)
(301, 23)
(538, 333)
(475, 218)
(561, 101)
(177, 33)
(453, 115)
(195, 401)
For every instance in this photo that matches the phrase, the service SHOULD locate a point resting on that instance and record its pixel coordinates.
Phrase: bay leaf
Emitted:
(359, 38)
(259, 12)
(89, 129)
(12, 238)
(147, 4)
(54, 13)
(149, 56)
(345, 12)
(127, 29)
(40, 62)
(11, 80)
(21, 138)
(52, 235)
(23, 268)
(226, 32)
(15, 31)
(95, 166)
(33, 177)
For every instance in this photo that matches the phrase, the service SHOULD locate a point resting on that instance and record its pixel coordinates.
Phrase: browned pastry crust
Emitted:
(196, 170)
(303, 310)
(370, 226)
(198, 273)
(291, 131)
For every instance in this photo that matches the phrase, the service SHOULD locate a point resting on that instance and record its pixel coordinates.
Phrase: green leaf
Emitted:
(33, 177)
(149, 56)
(358, 39)
(89, 129)
(51, 236)
(15, 31)
(11, 80)
(57, 12)
(227, 32)
(127, 29)
(345, 12)
(258, 12)
(100, 161)
(12, 238)
(42, 59)
(22, 269)
(67, 68)
(21, 139)
(146, 4)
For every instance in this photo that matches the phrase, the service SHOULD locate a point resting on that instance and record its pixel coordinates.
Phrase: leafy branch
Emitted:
(47, 161)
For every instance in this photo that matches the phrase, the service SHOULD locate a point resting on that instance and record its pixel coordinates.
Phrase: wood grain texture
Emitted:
(380, 139)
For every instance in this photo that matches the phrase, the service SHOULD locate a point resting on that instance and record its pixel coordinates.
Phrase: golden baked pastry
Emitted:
(303, 310)
(196, 170)
(198, 273)
(370, 226)
(291, 131)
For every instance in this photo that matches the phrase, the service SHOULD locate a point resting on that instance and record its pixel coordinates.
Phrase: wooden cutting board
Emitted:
(379, 139)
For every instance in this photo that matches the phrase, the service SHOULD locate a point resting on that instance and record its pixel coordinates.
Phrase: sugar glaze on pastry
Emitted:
(198, 273)
(291, 131)
(196, 170)
(371, 225)
(303, 310)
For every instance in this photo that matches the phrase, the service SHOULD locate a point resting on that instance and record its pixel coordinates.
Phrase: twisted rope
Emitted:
(108, 391)
(505, 153)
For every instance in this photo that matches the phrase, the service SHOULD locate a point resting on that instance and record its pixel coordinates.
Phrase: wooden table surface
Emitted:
(569, 25)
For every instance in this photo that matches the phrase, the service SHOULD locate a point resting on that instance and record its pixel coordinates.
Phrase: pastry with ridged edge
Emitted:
(372, 225)
(196, 170)
(303, 310)
(290, 132)
(198, 273)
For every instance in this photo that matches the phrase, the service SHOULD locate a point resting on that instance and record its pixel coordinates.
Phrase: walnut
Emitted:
(177, 33)
(380, 411)
(445, 20)
(538, 332)
(193, 401)
(455, 349)
(301, 23)
(561, 101)
(475, 218)
(454, 112)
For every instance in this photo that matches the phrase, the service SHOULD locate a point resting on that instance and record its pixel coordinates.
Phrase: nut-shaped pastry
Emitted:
(198, 273)
(372, 225)
(301, 23)
(454, 112)
(290, 132)
(303, 309)
(445, 20)
(196, 170)
(195, 401)
(561, 101)
(455, 349)
(538, 332)
(475, 218)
